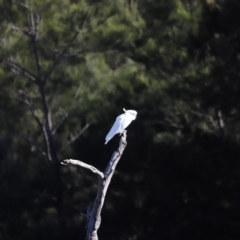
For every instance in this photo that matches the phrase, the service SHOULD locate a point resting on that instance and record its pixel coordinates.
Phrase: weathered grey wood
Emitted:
(94, 214)
(84, 165)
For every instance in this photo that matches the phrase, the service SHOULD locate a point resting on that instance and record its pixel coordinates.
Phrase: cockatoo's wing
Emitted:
(126, 121)
(117, 127)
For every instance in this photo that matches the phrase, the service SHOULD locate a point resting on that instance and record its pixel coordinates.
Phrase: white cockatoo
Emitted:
(122, 121)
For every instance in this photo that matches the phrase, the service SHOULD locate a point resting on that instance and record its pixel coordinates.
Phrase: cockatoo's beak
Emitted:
(124, 110)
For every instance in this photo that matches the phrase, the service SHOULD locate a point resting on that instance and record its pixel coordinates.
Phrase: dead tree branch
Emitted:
(94, 216)
(33, 111)
(17, 68)
(23, 30)
(83, 165)
(58, 125)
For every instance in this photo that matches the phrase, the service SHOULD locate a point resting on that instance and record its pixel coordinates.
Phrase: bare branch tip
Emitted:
(65, 162)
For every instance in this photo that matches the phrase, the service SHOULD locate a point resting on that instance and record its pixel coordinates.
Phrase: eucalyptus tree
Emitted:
(47, 71)
(56, 74)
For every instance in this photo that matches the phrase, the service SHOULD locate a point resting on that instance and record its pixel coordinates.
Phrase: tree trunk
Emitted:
(94, 213)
